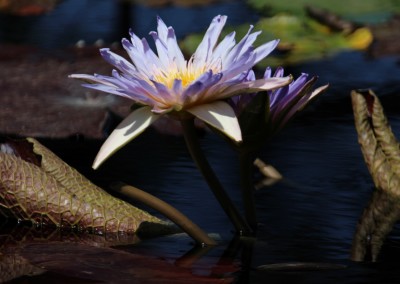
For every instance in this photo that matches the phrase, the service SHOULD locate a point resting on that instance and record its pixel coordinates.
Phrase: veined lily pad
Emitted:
(55, 194)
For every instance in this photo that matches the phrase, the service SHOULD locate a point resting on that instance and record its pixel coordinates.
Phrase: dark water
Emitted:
(309, 217)
(91, 20)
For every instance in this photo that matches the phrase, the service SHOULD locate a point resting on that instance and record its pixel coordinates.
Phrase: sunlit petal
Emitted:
(264, 50)
(133, 125)
(137, 57)
(162, 30)
(151, 57)
(253, 87)
(221, 116)
(318, 91)
(117, 61)
(174, 52)
(241, 47)
(209, 41)
(162, 50)
(223, 48)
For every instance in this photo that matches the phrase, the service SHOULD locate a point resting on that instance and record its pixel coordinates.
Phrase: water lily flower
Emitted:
(166, 83)
(283, 103)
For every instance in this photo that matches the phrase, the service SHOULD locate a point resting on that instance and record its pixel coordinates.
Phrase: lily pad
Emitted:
(55, 194)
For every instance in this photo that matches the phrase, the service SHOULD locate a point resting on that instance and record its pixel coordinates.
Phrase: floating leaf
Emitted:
(56, 194)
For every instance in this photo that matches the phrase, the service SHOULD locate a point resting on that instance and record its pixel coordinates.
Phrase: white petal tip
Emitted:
(96, 164)
(133, 125)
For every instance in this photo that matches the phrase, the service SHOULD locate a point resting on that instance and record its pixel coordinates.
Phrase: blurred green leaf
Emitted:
(356, 10)
(302, 39)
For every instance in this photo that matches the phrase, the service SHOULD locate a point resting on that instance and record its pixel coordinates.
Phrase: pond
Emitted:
(307, 219)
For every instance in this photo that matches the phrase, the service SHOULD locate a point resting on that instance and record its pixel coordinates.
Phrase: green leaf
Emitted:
(366, 11)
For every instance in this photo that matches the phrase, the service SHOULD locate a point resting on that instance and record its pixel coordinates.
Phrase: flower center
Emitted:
(186, 76)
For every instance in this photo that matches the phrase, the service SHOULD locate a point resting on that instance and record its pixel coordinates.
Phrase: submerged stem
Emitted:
(202, 164)
(170, 212)
(247, 187)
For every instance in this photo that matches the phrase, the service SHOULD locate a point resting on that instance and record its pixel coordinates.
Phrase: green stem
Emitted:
(170, 212)
(247, 187)
(202, 164)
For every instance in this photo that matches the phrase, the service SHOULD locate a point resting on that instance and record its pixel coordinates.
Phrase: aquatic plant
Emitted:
(261, 115)
(168, 84)
(380, 150)
(37, 186)
(212, 86)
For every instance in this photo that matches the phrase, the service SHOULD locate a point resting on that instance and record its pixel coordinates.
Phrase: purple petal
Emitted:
(93, 78)
(137, 57)
(162, 30)
(163, 93)
(294, 90)
(245, 63)
(298, 84)
(137, 90)
(107, 89)
(194, 90)
(277, 96)
(251, 76)
(177, 87)
(151, 57)
(135, 40)
(250, 87)
(264, 50)
(234, 53)
(117, 61)
(294, 99)
(174, 52)
(223, 48)
(162, 50)
(279, 72)
(204, 50)
(268, 72)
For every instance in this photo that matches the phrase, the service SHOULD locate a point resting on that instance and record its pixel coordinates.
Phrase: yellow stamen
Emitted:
(187, 77)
